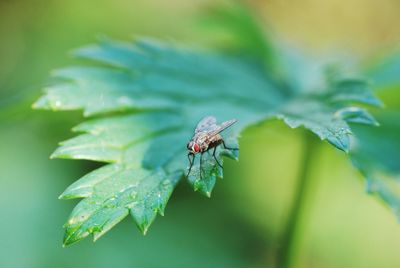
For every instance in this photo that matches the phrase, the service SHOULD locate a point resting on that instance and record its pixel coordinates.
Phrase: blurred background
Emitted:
(241, 225)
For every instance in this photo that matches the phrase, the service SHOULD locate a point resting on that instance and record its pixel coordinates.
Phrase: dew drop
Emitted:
(133, 195)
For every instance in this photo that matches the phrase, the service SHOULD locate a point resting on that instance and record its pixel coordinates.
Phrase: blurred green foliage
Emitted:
(241, 225)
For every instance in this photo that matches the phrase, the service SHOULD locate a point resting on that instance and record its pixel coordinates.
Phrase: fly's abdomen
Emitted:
(215, 141)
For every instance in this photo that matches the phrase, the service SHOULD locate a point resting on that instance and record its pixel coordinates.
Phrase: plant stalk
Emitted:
(293, 230)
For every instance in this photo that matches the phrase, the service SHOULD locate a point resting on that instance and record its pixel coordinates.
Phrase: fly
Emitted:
(207, 136)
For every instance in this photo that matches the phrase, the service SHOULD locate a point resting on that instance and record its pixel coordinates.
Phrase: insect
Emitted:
(207, 136)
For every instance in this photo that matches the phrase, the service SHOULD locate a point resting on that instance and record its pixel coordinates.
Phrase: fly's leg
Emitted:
(225, 147)
(191, 162)
(215, 157)
(201, 160)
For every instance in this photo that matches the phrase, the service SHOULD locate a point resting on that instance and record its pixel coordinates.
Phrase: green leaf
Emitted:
(111, 193)
(328, 113)
(148, 97)
(376, 153)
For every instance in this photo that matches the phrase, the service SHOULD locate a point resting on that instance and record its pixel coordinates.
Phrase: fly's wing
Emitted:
(222, 127)
(207, 124)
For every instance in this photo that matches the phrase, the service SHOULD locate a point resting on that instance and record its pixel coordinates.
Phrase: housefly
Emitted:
(207, 136)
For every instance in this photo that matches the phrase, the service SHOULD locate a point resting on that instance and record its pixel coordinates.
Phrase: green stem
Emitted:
(292, 231)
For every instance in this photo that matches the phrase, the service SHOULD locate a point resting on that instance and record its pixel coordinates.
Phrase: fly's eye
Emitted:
(196, 148)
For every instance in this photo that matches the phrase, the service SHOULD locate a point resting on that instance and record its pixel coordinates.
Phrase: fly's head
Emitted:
(193, 147)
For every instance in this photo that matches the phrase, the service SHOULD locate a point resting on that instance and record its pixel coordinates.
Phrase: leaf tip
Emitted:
(57, 154)
(41, 104)
(161, 211)
(378, 103)
(53, 155)
(66, 195)
(97, 235)
(66, 242)
(341, 142)
(144, 229)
